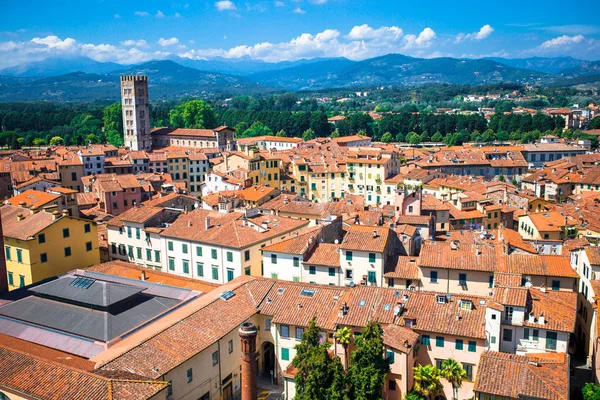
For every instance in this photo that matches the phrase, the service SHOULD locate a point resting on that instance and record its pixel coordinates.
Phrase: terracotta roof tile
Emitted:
(515, 376)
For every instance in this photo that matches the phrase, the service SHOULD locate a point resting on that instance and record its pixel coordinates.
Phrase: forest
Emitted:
(408, 116)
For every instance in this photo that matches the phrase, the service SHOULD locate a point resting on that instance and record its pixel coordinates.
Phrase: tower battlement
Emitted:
(134, 78)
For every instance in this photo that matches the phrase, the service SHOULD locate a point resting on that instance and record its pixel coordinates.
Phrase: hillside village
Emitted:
(189, 263)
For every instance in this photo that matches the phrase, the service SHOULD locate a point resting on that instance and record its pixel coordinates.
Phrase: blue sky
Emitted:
(136, 31)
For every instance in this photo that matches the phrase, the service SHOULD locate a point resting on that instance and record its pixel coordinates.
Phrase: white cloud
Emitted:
(160, 14)
(141, 14)
(135, 43)
(53, 42)
(298, 10)
(562, 41)
(117, 16)
(279, 4)
(424, 39)
(365, 32)
(481, 34)
(225, 5)
(177, 15)
(168, 42)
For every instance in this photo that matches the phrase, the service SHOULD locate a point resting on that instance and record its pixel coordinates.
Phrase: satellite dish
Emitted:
(396, 310)
(351, 284)
(528, 284)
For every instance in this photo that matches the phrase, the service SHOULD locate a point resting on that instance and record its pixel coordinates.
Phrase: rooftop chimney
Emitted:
(248, 333)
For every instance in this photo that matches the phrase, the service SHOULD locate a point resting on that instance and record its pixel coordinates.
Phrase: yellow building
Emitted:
(39, 245)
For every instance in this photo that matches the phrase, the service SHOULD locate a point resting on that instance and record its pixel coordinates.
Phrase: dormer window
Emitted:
(440, 299)
(466, 305)
(410, 322)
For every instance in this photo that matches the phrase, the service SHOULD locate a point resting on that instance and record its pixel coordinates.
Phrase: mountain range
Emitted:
(83, 79)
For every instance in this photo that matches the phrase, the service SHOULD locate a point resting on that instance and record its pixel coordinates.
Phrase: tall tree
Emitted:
(344, 336)
(319, 375)
(454, 374)
(113, 124)
(368, 365)
(194, 114)
(427, 380)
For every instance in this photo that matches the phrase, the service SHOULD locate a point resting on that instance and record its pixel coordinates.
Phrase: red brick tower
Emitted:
(249, 369)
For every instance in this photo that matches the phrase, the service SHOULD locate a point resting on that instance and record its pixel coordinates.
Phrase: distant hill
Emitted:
(541, 64)
(167, 79)
(224, 77)
(585, 68)
(61, 66)
(306, 76)
(395, 69)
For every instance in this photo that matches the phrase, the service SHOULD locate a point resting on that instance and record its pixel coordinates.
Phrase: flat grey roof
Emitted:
(95, 324)
(87, 290)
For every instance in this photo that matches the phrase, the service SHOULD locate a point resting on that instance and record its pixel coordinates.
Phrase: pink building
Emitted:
(116, 193)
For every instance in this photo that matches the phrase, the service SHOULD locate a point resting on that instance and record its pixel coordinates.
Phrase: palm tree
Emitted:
(427, 380)
(454, 373)
(344, 336)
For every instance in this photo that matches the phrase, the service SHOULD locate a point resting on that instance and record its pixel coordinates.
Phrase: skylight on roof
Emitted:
(82, 283)
(307, 292)
(387, 307)
(280, 290)
(227, 295)
(361, 303)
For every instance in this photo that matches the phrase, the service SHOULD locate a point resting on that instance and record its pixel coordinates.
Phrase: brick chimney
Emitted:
(3, 275)
(249, 368)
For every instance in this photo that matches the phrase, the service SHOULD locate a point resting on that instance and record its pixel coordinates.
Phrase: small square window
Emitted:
(66, 233)
(190, 375)
(87, 228)
(67, 251)
(88, 246)
(43, 257)
(41, 238)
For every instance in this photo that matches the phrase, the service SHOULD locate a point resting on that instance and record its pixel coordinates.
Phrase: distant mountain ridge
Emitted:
(82, 79)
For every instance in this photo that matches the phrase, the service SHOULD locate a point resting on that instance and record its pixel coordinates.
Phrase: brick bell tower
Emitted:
(248, 333)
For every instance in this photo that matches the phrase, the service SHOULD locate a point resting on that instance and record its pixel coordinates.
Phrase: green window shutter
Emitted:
(312, 270)
(472, 346)
(229, 256)
(459, 344)
(390, 356)
(372, 257)
(186, 267)
(199, 269)
(348, 255)
(372, 277)
(439, 341)
(425, 340)
(170, 245)
(285, 354)
(213, 253)
(171, 264)
(215, 273)
(331, 271)
(199, 251)
(229, 275)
